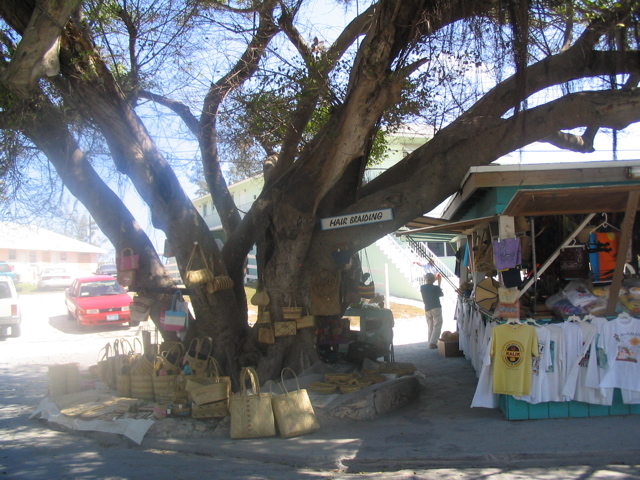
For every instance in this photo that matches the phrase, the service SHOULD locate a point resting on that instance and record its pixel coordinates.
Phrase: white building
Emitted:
(29, 249)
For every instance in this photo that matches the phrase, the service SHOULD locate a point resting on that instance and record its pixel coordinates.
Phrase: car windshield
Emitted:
(4, 267)
(98, 289)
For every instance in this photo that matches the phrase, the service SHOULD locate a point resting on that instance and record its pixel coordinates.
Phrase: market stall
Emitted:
(552, 323)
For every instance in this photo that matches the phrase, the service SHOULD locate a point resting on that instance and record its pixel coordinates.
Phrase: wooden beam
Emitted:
(623, 246)
(555, 254)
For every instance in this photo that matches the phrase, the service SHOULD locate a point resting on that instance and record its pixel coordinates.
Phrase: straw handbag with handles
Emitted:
(291, 313)
(127, 260)
(197, 356)
(251, 415)
(293, 410)
(216, 389)
(200, 276)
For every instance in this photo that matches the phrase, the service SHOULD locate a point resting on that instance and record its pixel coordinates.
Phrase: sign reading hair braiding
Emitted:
(355, 219)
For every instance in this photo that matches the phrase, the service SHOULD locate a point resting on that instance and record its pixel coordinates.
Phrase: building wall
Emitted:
(28, 263)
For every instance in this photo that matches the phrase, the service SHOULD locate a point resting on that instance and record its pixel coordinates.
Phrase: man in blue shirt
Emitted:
(433, 310)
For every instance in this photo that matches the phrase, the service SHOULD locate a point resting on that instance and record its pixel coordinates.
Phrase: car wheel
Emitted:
(16, 330)
(78, 324)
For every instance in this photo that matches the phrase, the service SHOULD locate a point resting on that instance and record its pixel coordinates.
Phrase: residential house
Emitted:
(29, 249)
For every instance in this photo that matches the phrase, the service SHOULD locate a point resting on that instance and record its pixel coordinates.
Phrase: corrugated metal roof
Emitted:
(24, 237)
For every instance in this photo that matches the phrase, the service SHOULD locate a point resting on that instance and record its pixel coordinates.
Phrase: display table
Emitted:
(376, 327)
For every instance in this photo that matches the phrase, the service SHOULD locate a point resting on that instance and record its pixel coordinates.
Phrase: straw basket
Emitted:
(322, 387)
(339, 378)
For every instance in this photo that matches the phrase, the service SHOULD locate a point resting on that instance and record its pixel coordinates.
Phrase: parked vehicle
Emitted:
(98, 300)
(107, 269)
(54, 277)
(7, 270)
(10, 316)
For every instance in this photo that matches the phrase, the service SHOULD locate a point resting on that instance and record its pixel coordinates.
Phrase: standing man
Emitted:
(433, 310)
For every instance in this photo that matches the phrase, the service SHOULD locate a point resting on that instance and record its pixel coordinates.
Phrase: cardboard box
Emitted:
(449, 349)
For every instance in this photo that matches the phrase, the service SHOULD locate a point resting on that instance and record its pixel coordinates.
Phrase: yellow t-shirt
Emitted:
(512, 347)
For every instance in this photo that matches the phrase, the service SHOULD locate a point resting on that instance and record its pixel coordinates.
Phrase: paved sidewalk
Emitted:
(439, 430)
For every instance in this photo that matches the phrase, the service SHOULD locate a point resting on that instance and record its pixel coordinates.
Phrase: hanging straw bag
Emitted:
(266, 335)
(251, 415)
(140, 308)
(308, 321)
(293, 411)
(291, 313)
(284, 329)
(325, 295)
(201, 276)
(261, 297)
(197, 356)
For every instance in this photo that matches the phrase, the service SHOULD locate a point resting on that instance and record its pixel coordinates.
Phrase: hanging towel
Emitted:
(507, 253)
(603, 250)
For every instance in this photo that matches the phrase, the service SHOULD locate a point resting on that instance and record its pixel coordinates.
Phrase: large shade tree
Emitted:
(79, 79)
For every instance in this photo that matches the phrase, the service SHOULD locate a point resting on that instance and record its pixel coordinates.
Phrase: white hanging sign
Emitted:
(355, 219)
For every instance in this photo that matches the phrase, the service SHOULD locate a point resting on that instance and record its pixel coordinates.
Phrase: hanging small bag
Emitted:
(127, 260)
(200, 276)
(175, 320)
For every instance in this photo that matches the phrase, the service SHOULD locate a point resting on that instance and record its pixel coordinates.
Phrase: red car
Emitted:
(98, 300)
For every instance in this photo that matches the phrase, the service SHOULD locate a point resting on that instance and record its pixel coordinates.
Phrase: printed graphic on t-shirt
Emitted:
(628, 347)
(552, 351)
(513, 353)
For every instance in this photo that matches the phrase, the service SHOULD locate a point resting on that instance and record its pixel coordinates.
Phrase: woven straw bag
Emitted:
(251, 415)
(200, 276)
(284, 329)
(323, 387)
(291, 312)
(293, 411)
(308, 321)
(197, 356)
(216, 388)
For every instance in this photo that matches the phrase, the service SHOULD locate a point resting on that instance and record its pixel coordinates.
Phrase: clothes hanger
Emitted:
(573, 318)
(514, 321)
(604, 224)
(588, 318)
(532, 321)
(625, 315)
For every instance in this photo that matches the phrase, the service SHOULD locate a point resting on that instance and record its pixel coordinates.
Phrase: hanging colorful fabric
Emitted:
(126, 260)
(175, 320)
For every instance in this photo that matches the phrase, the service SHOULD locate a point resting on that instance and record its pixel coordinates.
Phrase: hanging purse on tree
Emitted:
(199, 276)
(366, 290)
(325, 295)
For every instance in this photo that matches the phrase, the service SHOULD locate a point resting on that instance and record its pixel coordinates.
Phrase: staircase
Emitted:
(407, 258)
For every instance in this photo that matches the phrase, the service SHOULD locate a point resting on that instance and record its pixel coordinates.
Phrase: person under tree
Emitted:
(433, 310)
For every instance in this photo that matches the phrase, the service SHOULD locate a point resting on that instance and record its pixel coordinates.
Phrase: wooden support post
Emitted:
(623, 246)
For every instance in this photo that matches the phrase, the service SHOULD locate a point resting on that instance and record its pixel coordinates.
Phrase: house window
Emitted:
(63, 255)
(204, 209)
(12, 255)
(33, 257)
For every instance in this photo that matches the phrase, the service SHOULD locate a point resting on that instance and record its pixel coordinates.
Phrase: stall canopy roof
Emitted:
(532, 202)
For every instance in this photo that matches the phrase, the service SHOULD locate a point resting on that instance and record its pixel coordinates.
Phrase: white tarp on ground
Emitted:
(132, 428)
